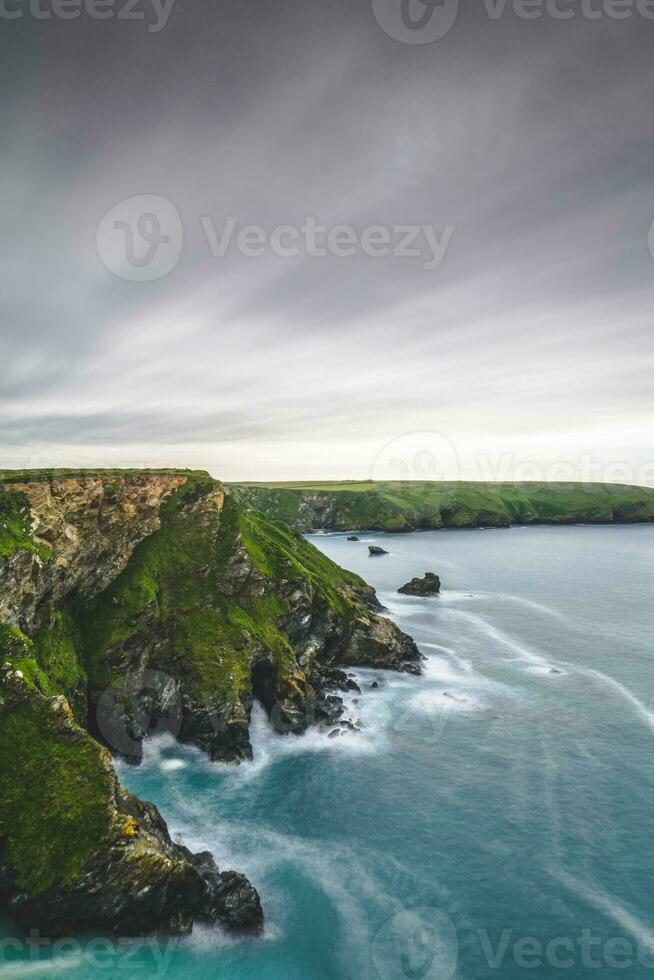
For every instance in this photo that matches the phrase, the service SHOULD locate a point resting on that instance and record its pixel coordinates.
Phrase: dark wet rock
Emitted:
(229, 898)
(135, 879)
(334, 733)
(349, 725)
(353, 537)
(428, 585)
(374, 684)
(374, 549)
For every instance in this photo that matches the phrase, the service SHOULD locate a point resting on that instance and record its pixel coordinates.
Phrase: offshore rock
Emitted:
(428, 585)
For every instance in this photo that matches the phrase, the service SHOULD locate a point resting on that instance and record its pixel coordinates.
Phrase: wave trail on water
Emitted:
(641, 710)
(523, 652)
(530, 603)
(461, 662)
(608, 905)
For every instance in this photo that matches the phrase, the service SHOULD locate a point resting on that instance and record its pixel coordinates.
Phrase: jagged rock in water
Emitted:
(353, 537)
(374, 549)
(428, 585)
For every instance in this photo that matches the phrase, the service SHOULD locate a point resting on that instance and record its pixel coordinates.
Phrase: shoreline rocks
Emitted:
(428, 585)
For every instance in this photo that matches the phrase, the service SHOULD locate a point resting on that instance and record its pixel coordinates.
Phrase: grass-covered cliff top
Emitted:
(44, 475)
(400, 506)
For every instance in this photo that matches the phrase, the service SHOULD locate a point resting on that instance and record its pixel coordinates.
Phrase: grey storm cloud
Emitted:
(531, 139)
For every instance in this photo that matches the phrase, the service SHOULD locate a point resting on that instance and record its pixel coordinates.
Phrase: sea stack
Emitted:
(429, 584)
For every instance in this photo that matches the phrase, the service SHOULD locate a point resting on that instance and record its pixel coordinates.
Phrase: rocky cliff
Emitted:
(131, 603)
(409, 506)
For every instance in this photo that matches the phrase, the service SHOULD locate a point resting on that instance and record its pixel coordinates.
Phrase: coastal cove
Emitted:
(505, 794)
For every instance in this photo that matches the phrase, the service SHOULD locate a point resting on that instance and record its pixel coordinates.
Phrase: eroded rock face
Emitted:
(135, 879)
(304, 693)
(428, 585)
(86, 528)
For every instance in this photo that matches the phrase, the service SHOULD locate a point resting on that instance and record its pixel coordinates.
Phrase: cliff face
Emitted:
(221, 606)
(84, 531)
(408, 506)
(132, 603)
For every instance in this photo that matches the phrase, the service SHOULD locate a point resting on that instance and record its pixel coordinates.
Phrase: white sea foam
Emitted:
(453, 596)
(58, 967)
(461, 662)
(171, 765)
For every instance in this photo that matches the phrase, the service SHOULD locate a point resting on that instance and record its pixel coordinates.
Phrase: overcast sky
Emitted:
(525, 147)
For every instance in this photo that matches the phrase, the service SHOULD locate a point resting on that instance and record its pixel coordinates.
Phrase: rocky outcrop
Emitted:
(428, 585)
(273, 620)
(374, 550)
(79, 851)
(85, 530)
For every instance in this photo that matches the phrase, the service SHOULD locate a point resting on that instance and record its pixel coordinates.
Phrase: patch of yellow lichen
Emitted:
(130, 827)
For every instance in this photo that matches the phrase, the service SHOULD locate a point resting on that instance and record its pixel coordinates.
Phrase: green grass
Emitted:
(45, 475)
(54, 795)
(177, 587)
(15, 524)
(398, 506)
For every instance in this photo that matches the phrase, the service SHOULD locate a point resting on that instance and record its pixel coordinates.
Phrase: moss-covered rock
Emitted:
(217, 591)
(77, 850)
